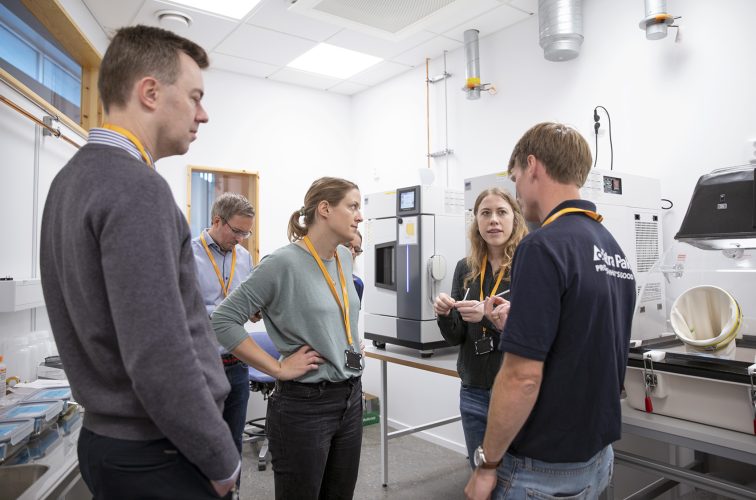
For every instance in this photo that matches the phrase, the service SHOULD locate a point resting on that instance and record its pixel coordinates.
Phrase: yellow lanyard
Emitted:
(345, 307)
(483, 277)
(495, 287)
(136, 142)
(224, 285)
(571, 210)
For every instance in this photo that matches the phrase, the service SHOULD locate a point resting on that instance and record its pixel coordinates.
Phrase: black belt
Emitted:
(322, 384)
(229, 359)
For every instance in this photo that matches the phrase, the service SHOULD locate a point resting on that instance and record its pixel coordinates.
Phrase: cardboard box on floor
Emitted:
(370, 409)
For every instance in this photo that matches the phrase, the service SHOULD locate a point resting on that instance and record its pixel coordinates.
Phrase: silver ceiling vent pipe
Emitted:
(657, 20)
(561, 28)
(472, 68)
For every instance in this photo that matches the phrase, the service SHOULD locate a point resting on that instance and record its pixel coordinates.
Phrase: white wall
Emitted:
(30, 161)
(290, 135)
(678, 111)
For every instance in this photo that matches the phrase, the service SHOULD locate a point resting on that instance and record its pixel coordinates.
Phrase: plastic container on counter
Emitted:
(44, 413)
(62, 393)
(14, 434)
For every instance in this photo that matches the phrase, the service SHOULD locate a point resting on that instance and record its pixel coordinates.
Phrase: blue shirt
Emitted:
(112, 138)
(210, 287)
(572, 301)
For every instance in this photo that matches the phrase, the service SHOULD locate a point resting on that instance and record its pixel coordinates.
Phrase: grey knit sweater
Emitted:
(119, 281)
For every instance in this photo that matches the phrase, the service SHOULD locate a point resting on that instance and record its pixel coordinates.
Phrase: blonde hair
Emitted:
(330, 189)
(562, 150)
(478, 246)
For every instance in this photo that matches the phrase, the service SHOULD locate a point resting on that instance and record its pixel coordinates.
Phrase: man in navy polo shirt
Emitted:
(555, 405)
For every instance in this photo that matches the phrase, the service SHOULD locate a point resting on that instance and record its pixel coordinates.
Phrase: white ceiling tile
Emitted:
(473, 9)
(207, 30)
(303, 78)
(240, 65)
(529, 6)
(348, 88)
(376, 46)
(490, 22)
(379, 73)
(274, 15)
(432, 48)
(113, 15)
(259, 44)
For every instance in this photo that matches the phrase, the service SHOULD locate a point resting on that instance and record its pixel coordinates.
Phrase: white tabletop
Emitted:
(443, 361)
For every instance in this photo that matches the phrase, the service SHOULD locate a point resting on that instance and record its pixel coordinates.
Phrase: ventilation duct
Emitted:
(561, 28)
(657, 19)
(472, 68)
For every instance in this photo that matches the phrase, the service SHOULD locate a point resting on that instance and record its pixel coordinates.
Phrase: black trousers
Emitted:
(315, 435)
(115, 469)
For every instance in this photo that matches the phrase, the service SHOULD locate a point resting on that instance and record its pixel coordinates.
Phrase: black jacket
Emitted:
(475, 370)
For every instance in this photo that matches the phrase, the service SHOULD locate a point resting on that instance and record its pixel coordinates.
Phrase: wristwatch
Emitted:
(479, 458)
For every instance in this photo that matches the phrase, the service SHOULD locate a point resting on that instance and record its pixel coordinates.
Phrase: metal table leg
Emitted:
(384, 422)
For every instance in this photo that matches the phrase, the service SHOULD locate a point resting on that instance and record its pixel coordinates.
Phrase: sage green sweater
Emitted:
(298, 308)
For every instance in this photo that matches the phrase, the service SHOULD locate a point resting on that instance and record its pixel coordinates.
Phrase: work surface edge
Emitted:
(443, 361)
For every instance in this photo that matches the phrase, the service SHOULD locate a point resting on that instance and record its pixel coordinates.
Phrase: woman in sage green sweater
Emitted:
(310, 307)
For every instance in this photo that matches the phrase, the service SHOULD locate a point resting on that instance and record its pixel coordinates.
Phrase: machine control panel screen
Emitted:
(612, 185)
(407, 200)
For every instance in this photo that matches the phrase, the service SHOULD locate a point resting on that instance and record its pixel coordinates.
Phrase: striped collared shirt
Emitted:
(112, 138)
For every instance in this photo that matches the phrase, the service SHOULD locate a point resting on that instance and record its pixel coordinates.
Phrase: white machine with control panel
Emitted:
(414, 237)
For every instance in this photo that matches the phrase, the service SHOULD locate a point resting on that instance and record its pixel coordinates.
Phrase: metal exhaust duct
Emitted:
(561, 28)
(472, 68)
(657, 19)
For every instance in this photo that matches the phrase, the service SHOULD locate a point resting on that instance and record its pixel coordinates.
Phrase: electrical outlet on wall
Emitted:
(751, 150)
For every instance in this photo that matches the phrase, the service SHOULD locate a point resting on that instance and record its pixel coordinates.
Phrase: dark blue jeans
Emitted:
(235, 406)
(116, 469)
(315, 435)
(473, 407)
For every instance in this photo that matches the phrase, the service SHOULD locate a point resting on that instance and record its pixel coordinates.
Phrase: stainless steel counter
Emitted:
(48, 464)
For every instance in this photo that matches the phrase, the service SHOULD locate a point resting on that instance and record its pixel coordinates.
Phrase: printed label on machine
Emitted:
(408, 231)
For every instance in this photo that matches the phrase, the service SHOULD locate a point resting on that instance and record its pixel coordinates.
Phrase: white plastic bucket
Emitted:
(707, 319)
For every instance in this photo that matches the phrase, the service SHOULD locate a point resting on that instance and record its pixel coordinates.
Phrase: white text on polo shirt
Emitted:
(614, 261)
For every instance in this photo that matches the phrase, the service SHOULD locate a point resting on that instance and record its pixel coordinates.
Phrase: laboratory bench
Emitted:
(704, 439)
(47, 466)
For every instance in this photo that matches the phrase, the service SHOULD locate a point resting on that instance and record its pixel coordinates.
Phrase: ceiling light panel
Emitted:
(333, 61)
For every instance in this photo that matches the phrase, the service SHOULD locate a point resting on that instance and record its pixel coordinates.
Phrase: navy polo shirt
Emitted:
(572, 301)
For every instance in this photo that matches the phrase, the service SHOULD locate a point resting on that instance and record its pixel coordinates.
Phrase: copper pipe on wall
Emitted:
(427, 107)
(54, 131)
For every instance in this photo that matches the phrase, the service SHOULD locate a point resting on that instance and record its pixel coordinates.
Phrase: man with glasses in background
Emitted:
(222, 265)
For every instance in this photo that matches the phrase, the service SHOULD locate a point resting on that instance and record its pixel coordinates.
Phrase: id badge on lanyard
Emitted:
(483, 345)
(353, 359)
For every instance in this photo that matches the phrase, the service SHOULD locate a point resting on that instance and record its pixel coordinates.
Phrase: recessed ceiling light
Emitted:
(235, 9)
(330, 60)
(173, 19)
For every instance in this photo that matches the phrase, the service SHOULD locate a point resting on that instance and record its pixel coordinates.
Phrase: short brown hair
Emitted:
(229, 204)
(330, 189)
(139, 51)
(562, 150)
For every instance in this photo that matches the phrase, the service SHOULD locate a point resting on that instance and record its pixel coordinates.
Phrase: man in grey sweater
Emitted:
(120, 285)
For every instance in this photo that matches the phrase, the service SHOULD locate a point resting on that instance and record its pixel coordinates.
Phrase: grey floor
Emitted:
(417, 470)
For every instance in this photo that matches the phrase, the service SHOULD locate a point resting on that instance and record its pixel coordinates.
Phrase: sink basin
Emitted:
(17, 478)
